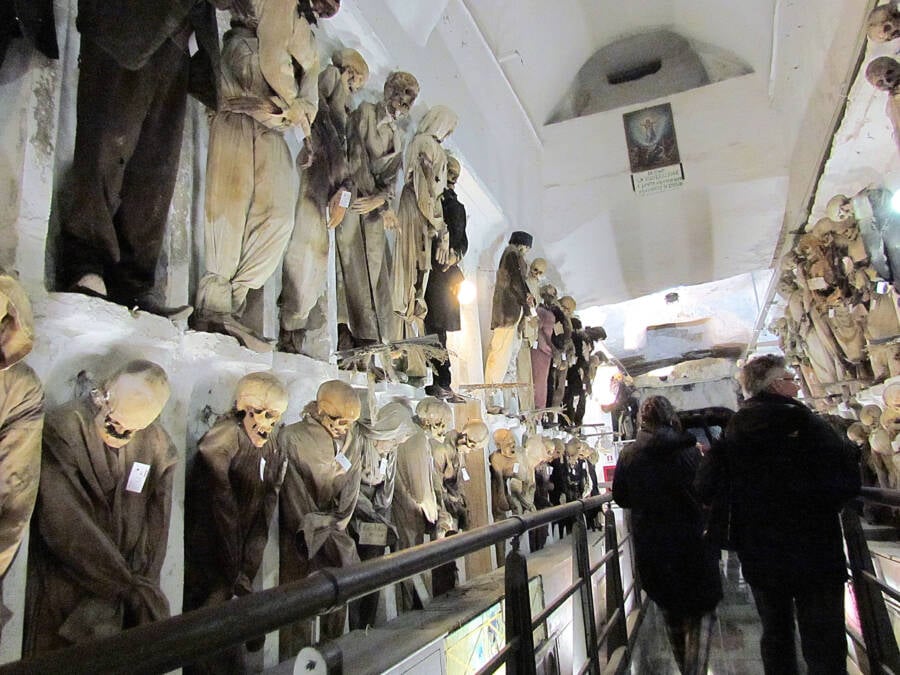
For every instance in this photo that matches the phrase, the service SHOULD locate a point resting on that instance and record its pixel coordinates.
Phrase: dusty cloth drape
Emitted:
(541, 356)
(317, 502)
(375, 149)
(97, 547)
(251, 187)
(415, 507)
(306, 258)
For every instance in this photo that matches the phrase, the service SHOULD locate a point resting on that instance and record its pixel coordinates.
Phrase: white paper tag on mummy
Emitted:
(345, 198)
(382, 466)
(564, 356)
(516, 467)
(549, 470)
(262, 468)
(881, 287)
(342, 460)
(817, 284)
(137, 477)
(464, 473)
(557, 328)
(831, 312)
(373, 534)
(193, 47)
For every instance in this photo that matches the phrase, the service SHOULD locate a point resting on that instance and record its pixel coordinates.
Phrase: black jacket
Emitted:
(790, 474)
(654, 478)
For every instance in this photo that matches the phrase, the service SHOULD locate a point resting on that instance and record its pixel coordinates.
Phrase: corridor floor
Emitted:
(735, 639)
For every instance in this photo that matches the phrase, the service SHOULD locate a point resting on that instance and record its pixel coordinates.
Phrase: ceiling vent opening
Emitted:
(634, 73)
(645, 67)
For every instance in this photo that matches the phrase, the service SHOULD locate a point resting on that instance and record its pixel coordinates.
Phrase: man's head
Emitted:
(400, 92)
(129, 401)
(260, 400)
(353, 67)
(337, 407)
(768, 373)
(521, 240)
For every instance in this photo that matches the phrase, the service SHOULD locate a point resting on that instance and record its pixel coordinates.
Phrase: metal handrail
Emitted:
(171, 643)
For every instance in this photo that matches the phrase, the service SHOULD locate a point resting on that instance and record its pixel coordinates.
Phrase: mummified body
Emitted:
(375, 147)
(324, 183)
(21, 422)
(231, 496)
(101, 522)
(319, 495)
(421, 218)
(250, 187)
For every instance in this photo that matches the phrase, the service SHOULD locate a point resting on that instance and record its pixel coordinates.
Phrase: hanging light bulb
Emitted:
(466, 293)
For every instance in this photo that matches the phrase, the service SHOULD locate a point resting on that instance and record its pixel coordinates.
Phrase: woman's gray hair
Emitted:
(760, 372)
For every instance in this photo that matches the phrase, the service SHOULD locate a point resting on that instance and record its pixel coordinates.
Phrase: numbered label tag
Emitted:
(464, 473)
(881, 287)
(262, 468)
(373, 534)
(137, 477)
(342, 460)
(549, 470)
(557, 328)
(516, 467)
(345, 199)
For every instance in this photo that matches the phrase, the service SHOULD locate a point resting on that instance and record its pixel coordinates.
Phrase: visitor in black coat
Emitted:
(655, 479)
(790, 474)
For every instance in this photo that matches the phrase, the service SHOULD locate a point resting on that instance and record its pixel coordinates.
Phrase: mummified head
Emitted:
(353, 67)
(884, 23)
(505, 442)
(435, 416)
(16, 322)
(884, 73)
(474, 436)
(538, 268)
(260, 400)
(400, 92)
(129, 401)
(337, 407)
(453, 170)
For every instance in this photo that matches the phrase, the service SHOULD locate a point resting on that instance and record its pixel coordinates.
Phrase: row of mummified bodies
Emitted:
(536, 339)
(877, 432)
(99, 476)
(265, 82)
(841, 326)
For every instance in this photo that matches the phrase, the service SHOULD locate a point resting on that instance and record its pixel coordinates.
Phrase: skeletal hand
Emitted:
(363, 205)
(389, 218)
(335, 210)
(442, 255)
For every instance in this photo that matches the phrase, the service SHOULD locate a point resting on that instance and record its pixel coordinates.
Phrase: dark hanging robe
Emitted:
(443, 282)
(32, 19)
(99, 532)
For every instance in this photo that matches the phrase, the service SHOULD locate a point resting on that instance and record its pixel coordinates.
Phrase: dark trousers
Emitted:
(440, 369)
(820, 617)
(127, 145)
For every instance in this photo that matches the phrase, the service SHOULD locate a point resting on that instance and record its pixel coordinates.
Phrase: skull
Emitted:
(337, 407)
(890, 421)
(884, 73)
(129, 401)
(325, 9)
(559, 448)
(880, 442)
(870, 415)
(567, 302)
(573, 450)
(260, 400)
(474, 436)
(884, 23)
(16, 322)
(435, 416)
(839, 209)
(353, 67)
(400, 92)
(453, 170)
(857, 433)
(505, 442)
(438, 122)
(536, 450)
(548, 293)
(538, 268)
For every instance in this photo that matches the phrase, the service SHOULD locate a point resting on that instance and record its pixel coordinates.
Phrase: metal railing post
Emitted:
(635, 577)
(518, 613)
(881, 646)
(583, 566)
(615, 594)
